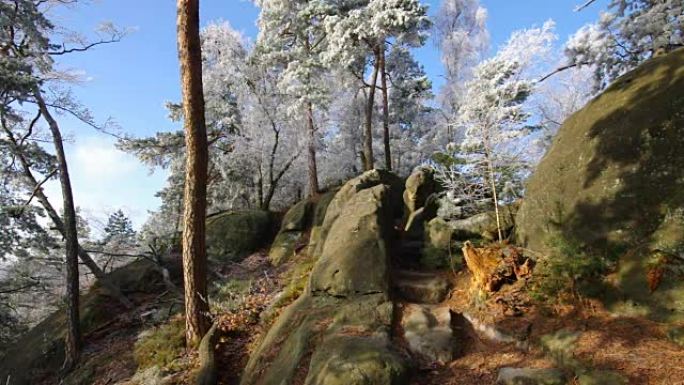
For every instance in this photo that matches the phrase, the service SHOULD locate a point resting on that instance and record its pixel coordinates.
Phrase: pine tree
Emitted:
(627, 34)
(359, 32)
(195, 197)
(119, 229)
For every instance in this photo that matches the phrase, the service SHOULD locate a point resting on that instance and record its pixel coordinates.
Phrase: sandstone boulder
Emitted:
(232, 236)
(428, 332)
(612, 183)
(338, 331)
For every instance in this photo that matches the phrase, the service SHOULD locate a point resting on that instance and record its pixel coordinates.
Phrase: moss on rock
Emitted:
(161, 346)
(40, 352)
(612, 180)
(232, 236)
(337, 331)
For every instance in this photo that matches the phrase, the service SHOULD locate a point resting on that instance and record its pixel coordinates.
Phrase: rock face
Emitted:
(419, 186)
(232, 236)
(613, 181)
(428, 331)
(424, 288)
(484, 225)
(40, 351)
(353, 258)
(438, 248)
(295, 222)
(338, 331)
(420, 200)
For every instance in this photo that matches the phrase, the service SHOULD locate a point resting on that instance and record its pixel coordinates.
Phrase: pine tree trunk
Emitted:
(196, 169)
(72, 344)
(369, 162)
(385, 111)
(313, 169)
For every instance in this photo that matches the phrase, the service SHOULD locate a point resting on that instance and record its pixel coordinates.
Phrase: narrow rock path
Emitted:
(432, 323)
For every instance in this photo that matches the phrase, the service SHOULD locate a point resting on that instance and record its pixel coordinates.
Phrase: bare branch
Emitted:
(35, 190)
(561, 69)
(116, 37)
(585, 5)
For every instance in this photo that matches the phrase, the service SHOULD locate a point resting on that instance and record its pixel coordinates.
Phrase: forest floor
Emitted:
(577, 336)
(591, 337)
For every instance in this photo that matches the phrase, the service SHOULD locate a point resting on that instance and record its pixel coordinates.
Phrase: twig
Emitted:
(35, 190)
(585, 5)
(561, 69)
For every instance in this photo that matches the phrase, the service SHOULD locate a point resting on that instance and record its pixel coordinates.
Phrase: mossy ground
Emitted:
(161, 346)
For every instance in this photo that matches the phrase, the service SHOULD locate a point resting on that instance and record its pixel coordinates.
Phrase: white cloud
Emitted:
(97, 158)
(105, 179)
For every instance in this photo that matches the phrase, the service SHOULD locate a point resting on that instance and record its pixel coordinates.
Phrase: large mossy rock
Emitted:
(295, 222)
(338, 331)
(40, 352)
(302, 219)
(484, 225)
(613, 182)
(232, 236)
(353, 258)
(438, 247)
(419, 186)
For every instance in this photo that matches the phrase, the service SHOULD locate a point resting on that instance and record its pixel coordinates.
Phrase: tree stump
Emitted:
(494, 266)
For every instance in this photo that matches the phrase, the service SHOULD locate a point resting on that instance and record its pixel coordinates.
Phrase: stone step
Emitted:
(531, 376)
(411, 245)
(428, 332)
(421, 287)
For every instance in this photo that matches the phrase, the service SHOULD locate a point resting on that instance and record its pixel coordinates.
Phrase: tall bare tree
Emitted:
(368, 160)
(196, 168)
(73, 335)
(385, 111)
(313, 169)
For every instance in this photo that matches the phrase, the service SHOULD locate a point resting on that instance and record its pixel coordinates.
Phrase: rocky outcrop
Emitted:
(612, 183)
(292, 228)
(484, 225)
(420, 200)
(419, 186)
(421, 287)
(40, 352)
(438, 249)
(232, 236)
(429, 333)
(338, 331)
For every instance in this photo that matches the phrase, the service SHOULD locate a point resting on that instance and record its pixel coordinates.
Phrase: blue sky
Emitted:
(131, 80)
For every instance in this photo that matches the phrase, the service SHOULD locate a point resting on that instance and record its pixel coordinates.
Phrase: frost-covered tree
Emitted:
(629, 32)
(254, 143)
(494, 116)
(358, 36)
(461, 35)
(291, 37)
(410, 91)
(559, 97)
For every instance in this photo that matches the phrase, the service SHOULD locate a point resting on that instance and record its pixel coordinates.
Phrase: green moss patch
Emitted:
(161, 346)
